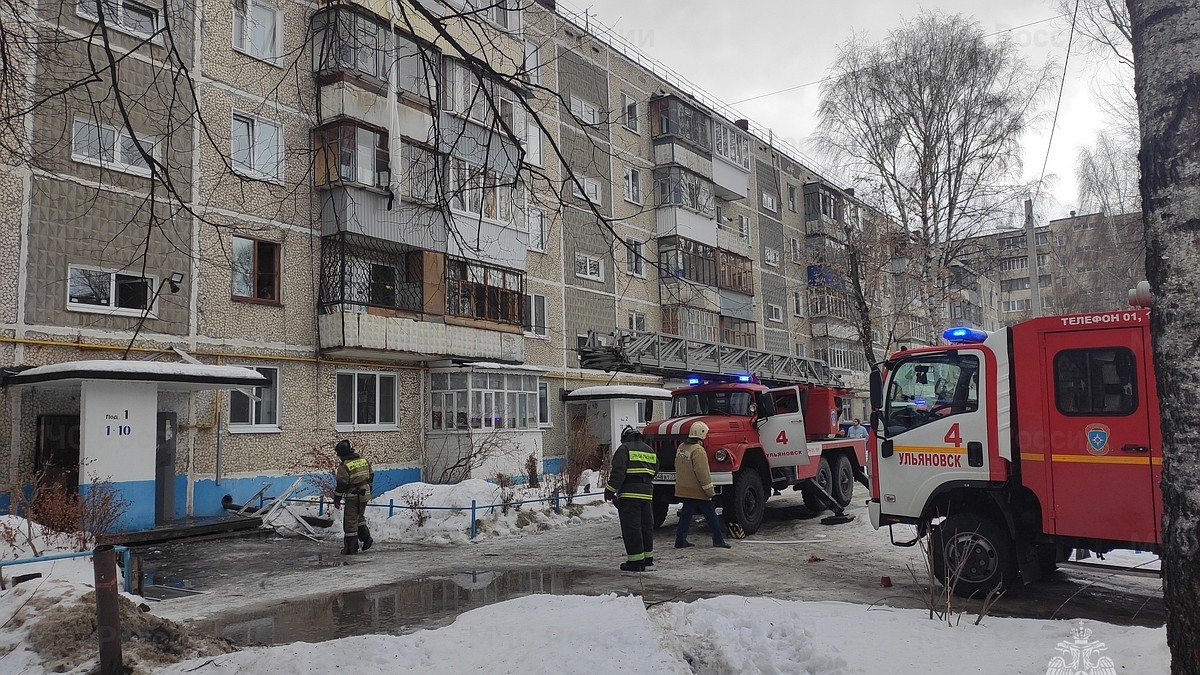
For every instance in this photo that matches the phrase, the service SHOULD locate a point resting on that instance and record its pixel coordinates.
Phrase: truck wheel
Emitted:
(660, 512)
(843, 481)
(824, 478)
(747, 502)
(973, 554)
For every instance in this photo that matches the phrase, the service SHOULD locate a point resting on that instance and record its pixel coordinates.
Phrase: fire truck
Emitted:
(1013, 447)
(762, 438)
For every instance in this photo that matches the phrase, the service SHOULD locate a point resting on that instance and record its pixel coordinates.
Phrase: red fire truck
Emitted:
(1013, 447)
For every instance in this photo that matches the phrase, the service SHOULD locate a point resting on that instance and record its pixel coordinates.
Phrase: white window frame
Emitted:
(255, 400)
(119, 135)
(628, 121)
(376, 426)
(797, 251)
(770, 257)
(247, 38)
(744, 227)
(253, 171)
(636, 319)
(536, 225)
(592, 190)
(588, 259)
(531, 330)
(801, 350)
(635, 258)
(633, 185)
(798, 302)
(774, 313)
(533, 63)
(585, 112)
(768, 202)
(151, 293)
(543, 392)
(1060, 239)
(83, 10)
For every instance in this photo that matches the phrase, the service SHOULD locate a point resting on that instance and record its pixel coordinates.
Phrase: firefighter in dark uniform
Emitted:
(630, 487)
(354, 476)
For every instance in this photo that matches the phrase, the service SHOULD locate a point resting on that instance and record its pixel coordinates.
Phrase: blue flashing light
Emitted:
(964, 335)
(693, 380)
(743, 378)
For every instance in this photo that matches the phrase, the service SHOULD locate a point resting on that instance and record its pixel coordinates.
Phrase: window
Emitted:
(791, 193)
(744, 228)
(1016, 305)
(586, 113)
(420, 176)
(924, 389)
(91, 289)
(256, 147)
(260, 408)
(482, 193)
(801, 350)
(797, 251)
(732, 145)
(1081, 225)
(126, 15)
(679, 187)
(366, 400)
(671, 116)
(629, 110)
(478, 291)
(1060, 239)
(635, 257)
(465, 94)
(591, 189)
(1012, 243)
(740, 332)
(691, 323)
(111, 148)
(797, 303)
(771, 256)
(533, 63)
(589, 267)
(1010, 285)
(1088, 269)
(1063, 282)
(735, 272)
(774, 313)
(1098, 381)
(637, 321)
(543, 393)
(769, 202)
(633, 185)
(256, 28)
(1043, 239)
(348, 153)
(536, 223)
(1010, 264)
(534, 316)
(484, 400)
(255, 270)
(687, 259)
(503, 13)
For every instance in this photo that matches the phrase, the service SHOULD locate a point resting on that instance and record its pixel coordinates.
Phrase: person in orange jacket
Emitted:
(694, 486)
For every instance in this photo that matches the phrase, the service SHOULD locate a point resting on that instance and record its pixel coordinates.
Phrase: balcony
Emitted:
(731, 162)
(350, 332)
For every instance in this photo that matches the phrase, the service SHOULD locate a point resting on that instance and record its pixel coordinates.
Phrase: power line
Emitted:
(829, 77)
(1058, 101)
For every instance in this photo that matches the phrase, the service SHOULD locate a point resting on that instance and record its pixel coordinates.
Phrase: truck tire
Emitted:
(843, 481)
(746, 503)
(824, 478)
(660, 512)
(973, 554)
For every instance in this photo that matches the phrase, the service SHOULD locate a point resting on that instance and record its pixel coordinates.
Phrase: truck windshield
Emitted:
(928, 387)
(712, 403)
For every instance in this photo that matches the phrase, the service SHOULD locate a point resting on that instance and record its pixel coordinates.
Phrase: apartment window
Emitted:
(533, 63)
(110, 148)
(478, 291)
(420, 176)
(366, 400)
(791, 193)
(635, 257)
(769, 202)
(348, 153)
(1060, 239)
(479, 192)
(543, 404)
(671, 116)
(1022, 305)
(1009, 264)
(592, 190)
(774, 313)
(801, 350)
(744, 228)
(691, 323)
(134, 17)
(256, 28)
(466, 94)
(633, 185)
(588, 266)
(585, 112)
(679, 187)
(255, 270)
(260, 408)
(735, 272)
(503, 13)
(771, 256)
(797, 251)
(536, 222)
(740, 332)
(1012, 243)
(687, 259)
(629, 110)
(797, 303)
(92, 289)
(256, 147)
(1010, 285)
(1088, 269)
(1081, 225)
(533, 144)
(637, 321)
(534, 317)
(732, 145)
(461, 401)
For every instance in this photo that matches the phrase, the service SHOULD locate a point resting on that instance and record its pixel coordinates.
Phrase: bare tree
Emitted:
(1167, 81)
(1108, 174)
(933, 115)
(1104, 24)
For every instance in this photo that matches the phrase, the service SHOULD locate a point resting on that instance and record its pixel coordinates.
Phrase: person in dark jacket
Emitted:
(630, 487)
(354, 476)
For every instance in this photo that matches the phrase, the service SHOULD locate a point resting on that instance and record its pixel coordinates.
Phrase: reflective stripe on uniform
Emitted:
(637, 495)
(639, 456)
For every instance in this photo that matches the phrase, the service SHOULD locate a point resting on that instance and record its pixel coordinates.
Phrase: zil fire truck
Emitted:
(761, 439)
(1011, 448)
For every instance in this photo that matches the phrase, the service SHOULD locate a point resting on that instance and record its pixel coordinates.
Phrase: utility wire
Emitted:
(1058, 102)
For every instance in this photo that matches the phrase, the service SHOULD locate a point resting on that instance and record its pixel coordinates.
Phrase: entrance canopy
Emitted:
(168, 376)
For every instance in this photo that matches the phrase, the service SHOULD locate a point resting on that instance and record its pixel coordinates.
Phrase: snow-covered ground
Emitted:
(613, 632)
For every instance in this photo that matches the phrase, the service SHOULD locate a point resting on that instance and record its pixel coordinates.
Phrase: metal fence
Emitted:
(123, 550)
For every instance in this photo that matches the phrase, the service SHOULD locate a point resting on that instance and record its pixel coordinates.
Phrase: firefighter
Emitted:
(354, 476)
(694, 486)
(630, 487)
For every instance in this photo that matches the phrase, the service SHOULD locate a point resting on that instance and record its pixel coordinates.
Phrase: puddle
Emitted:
(394, 609)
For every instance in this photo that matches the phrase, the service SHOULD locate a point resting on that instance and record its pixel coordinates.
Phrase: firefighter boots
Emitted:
(365, 536)
(349, 545)
(648, 561)
(633, 566)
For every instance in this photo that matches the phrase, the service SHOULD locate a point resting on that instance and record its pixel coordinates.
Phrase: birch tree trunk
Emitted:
(1166, 50)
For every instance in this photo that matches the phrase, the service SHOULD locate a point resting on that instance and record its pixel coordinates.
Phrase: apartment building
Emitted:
(406, 217)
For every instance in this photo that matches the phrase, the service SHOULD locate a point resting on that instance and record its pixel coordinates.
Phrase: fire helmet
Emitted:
(343, 448)
(630, 434)
(699, 431)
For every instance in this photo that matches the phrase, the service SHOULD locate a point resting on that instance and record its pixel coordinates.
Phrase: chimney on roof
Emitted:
(1072, 214)
(849, 192)
(744, 125)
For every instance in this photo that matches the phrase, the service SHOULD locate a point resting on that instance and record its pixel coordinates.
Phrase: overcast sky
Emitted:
(739, 49)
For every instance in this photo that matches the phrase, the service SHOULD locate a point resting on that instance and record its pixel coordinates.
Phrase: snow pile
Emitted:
(446, 511)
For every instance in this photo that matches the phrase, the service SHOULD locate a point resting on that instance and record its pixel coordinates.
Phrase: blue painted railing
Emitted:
(123, 550)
